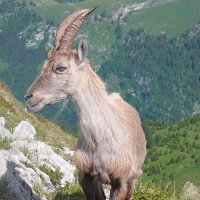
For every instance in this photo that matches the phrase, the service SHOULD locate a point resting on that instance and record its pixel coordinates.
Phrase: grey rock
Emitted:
(66, 167)
(20, 182)
(190, 191)
(17, 155)
(21, 179)
(68, 151)
(24, 131)
(41, 154)
(48, 186)
(31, 174)
(2, 121)
(4, 133)
(107, 193)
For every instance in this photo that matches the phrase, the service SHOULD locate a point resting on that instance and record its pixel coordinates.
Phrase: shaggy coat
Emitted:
(111, 147)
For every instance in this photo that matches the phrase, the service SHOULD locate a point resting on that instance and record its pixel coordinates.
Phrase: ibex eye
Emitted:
(60, 69)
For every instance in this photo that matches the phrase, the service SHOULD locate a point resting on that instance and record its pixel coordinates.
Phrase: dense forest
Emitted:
(20, 71)
(157, 75)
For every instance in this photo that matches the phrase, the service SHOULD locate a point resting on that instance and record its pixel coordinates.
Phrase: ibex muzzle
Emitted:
(111, 147)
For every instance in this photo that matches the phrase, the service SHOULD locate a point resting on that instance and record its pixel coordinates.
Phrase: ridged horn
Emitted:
(69, 27)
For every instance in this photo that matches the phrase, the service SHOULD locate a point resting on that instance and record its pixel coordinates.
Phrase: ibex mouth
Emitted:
(34, 104)
(37, 106)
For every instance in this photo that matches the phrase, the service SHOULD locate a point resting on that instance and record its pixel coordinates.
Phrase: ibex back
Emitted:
(111, 147)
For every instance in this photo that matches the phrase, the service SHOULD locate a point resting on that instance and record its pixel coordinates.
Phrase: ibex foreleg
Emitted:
(130, 189)
(92, 190)
(118, 190)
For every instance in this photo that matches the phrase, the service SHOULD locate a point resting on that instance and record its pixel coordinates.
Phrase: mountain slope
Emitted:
(14, 112)
(173, 149)
(28, 31)
(155, 16)
(173, 153)
(154, 73)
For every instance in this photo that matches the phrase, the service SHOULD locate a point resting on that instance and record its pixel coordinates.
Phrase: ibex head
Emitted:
(63, 68)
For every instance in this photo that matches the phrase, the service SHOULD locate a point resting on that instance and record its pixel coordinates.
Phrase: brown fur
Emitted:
(111, 147)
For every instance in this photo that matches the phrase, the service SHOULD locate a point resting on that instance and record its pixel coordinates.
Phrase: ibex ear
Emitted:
(82, 50)
(51, 53)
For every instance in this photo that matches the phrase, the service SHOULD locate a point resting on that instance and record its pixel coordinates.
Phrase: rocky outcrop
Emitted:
(21, 179)
(4, 133)
(190, 191)
(24, 131)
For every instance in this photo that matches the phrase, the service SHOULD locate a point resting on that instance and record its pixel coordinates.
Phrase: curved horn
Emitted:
(65, 23)
(69, 28)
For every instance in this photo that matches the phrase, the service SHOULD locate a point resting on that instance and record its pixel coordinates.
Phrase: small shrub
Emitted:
(149, 191)
(26, 152)
(57, 150)
(70, 191)
(42, 178)
(4, 192)
(28, 164)
(5, 143)
(53, 172)
(39, 190)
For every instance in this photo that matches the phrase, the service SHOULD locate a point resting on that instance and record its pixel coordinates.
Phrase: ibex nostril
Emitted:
(27, 97)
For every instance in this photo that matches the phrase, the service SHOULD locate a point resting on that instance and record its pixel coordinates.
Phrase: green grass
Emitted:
(69, 191)
(30, 165)
(26, 152)
(173, 18)
(54, 173)
(148, 190)
(179, 15)
(5, 143)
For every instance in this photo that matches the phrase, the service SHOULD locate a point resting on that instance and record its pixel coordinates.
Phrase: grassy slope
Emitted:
(173, 17)
(14, 112)
(179, 14)
(186, 170)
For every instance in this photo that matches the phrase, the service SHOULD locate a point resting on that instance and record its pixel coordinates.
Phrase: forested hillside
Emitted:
(160, 76)
(146, 50)
(134, 50)
(16, 29)
(173, 152)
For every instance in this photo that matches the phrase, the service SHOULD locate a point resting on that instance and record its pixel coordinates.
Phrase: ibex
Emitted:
(111, 146)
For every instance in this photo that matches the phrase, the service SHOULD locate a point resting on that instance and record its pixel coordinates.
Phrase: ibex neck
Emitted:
(91, 98)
